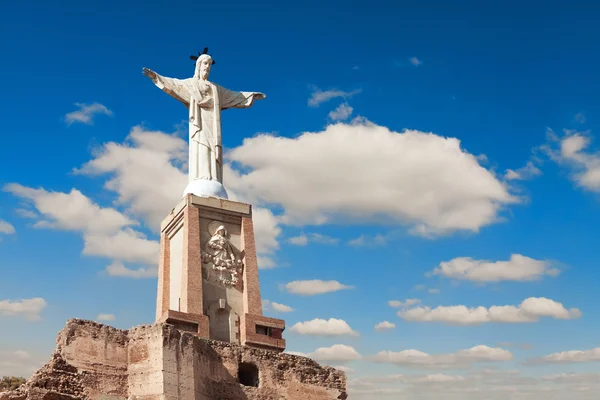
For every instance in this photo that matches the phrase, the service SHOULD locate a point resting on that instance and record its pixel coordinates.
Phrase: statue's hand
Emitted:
(149, 73)
(259, 96)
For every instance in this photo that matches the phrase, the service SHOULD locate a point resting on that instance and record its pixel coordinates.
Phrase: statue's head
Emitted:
(203, 64)
(221, 230)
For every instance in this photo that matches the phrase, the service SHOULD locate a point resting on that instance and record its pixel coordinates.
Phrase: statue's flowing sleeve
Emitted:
(176, 88)
(233, 99)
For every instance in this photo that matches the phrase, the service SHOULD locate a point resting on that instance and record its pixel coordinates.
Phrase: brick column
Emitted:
(252, 301)
(191, 293)
(163, 292)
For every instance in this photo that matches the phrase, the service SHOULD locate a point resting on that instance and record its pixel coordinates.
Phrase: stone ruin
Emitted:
(151, 362)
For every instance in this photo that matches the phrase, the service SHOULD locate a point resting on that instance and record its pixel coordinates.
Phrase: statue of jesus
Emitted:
(204, 100)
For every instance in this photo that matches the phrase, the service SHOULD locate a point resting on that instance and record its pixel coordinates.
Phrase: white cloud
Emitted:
(266, 231)
(86, 113)
(530, 310)
(403, 304)
(296, 353)
(321, 327)
(415, 61)
(335, 353)
(304, 239)
(580, 117)
(529, 171)
(408, 177)
(143, 172)
(368, 241)
(117, 268)
(126, 245)
(301, 240)
(433, 291)
(106, 231)
(460, 359)
(517, 268)
(315, 286)
(341, 112)
(6, 228)
(573, 151)
(24, 213)
(267, 304)
(319, 96)
(70, 211)
(105, 317)
(28, 308)
(573, 356)
(384, 326)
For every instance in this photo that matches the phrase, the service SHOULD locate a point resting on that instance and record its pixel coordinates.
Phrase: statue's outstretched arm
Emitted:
(172, 86)
(234, 99)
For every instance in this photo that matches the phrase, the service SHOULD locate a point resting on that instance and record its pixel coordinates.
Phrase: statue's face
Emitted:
(203, 67)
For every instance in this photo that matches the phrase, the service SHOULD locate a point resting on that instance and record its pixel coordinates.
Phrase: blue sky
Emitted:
(442, 153)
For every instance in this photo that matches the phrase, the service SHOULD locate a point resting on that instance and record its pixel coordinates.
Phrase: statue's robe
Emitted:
(205, 156)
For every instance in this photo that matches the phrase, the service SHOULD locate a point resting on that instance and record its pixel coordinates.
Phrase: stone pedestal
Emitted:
(195, 294)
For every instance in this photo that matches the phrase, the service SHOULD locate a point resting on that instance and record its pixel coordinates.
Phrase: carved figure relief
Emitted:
(223, 262)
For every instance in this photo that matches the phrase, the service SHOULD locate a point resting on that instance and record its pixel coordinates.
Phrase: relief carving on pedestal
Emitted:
(223, 262)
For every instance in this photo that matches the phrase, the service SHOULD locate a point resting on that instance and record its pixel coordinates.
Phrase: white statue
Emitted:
(204, 100)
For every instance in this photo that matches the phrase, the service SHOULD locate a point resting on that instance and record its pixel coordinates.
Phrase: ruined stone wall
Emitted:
(150, 362)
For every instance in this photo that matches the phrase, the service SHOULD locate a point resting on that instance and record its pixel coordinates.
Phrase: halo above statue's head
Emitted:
(202, 56)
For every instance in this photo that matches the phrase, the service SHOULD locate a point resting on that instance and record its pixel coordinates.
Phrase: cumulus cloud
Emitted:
(336, 353)
(530, 310)
(384, 326)
(86, 112)
(118, 269)
(580, 118)
(572, 150)
(319, 96)
(415, 61)
(571, 357)
(24, 213)
(517, 268)
(341, 112)
(407, 177)
(304, 239)
(105, 317)
(70, 211)
(315, 286)
(460, 359)
(268, 305)
(143, 172)
(106, 231)
(28, 308)
(529, 171)
(403, 304)
(322, 327)
(6, 228)
(126, 245)
(368, 241)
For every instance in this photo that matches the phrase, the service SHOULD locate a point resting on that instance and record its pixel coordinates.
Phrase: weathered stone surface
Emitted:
(151, 362)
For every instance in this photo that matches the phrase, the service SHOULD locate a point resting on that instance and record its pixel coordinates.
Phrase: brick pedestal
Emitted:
(193, 303)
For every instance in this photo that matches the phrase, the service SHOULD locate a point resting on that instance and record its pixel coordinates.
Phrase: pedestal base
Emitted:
(206, 188)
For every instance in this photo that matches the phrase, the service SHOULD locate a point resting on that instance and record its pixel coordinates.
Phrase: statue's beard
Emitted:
(203, 75)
